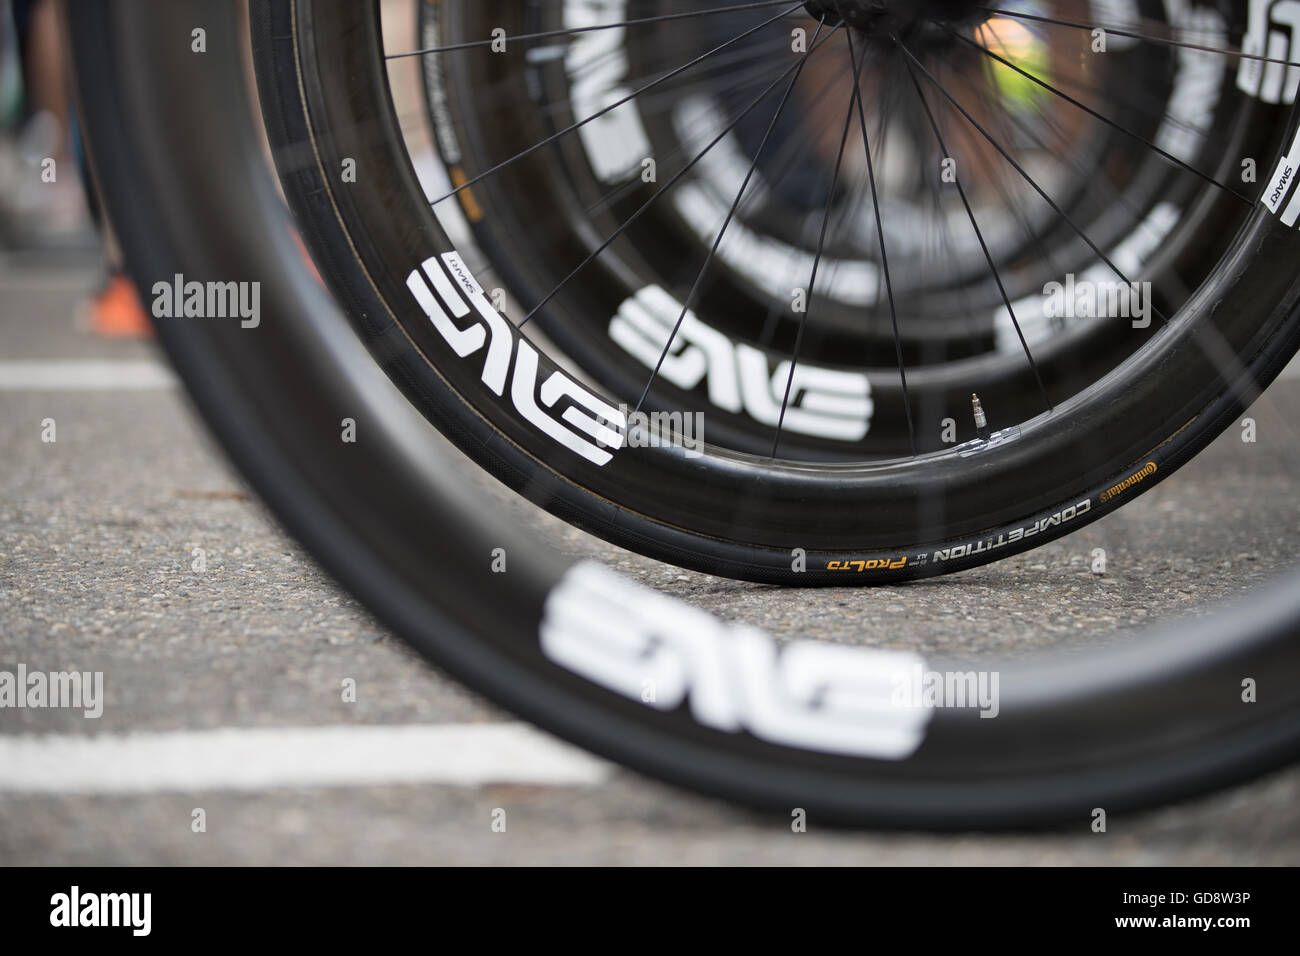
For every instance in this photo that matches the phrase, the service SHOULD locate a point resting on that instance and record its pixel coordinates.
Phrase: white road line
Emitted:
(84, 376)
(465, 755)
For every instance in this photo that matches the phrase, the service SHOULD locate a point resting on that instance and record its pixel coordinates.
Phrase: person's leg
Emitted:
(45, 68)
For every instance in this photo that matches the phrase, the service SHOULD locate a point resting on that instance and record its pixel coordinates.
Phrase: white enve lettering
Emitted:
(826, 403)
(586, 425)
(650, 648)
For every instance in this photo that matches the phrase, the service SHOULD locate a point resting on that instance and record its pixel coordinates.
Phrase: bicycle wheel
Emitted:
(1119, 407)
(1114, 174)
(178, 161)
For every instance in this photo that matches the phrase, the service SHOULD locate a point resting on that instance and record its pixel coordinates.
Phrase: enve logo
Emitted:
(824, 402)
(825, 697)
(561, 408)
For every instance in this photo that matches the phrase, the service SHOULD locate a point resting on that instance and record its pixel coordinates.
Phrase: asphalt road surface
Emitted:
(222, 708)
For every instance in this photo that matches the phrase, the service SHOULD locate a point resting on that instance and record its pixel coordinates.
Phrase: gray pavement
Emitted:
(97, 534)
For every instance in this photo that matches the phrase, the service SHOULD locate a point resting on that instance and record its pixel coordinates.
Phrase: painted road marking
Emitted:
(85, 376)
(465, 755)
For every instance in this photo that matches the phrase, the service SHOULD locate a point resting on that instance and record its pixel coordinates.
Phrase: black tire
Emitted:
(176, 156)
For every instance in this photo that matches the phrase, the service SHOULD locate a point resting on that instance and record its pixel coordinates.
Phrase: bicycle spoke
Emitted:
(979, 235)
(812, 282)
(673, 99)
(880, 235)
(671, 183)
(1021, 170)
(1036, 236)
(608, 109)
(731, 213)
(575, 31)
(1098, 116)
(1147, 38)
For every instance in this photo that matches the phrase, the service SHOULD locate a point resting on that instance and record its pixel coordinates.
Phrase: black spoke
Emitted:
(682, 149)
(812, 282)
(1021, 170)
(575, 31)
(731, 214)
(970, 213)
(608, 109)
(1013, 201)
(1109, 122)
(1145, 37)
(672, 182)
(880, 235)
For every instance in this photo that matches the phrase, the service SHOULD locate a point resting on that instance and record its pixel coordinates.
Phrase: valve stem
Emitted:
(981, 420)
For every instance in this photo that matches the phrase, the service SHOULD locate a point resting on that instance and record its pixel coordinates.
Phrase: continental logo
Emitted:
(878, 564)
(1149, 469)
